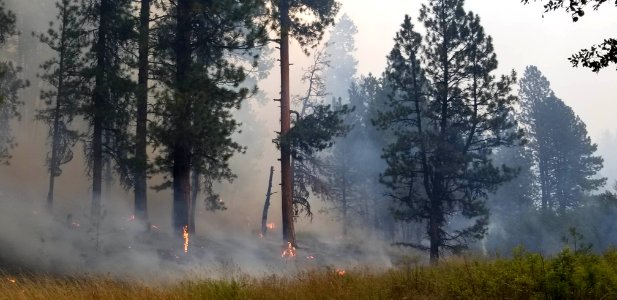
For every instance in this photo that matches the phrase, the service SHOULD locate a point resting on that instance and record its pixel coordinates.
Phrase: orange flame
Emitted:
(271, 226)
(11, 280)
(185, 235)
(290, 251)
(341, 272)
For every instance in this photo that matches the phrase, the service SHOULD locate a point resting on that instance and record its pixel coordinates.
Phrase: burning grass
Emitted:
(568, 275)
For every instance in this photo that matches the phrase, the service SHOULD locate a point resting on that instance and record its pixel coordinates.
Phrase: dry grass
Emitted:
(526, 276)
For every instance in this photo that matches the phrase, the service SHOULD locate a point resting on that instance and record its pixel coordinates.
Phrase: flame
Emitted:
(290, 251)
(185, 235)
(271, 226)
(341, 272)
(11, 280)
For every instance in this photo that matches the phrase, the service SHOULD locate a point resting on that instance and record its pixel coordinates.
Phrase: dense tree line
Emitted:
(421, 155)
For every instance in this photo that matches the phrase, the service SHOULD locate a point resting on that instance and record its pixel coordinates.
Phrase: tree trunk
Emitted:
(181, 189)
(181, 152)
(435, 220)
(99, 110)
(53, 163)
(141, 156)
(196, 189)
(264, 215)
(289, 234)
(344, 190)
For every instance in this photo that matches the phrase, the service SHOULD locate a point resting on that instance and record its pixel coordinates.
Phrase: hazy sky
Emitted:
(522, 36)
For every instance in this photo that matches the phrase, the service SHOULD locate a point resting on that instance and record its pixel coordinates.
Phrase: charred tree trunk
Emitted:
(141, 156)
(289, 234)
(181, 152)
(264, 215)
(54, 160)
(99, 110)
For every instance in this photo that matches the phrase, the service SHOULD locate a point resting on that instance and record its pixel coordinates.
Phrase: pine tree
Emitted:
(109, 109)
(62, 73)
(314, 129)
(341, 45)
(7, 23)
(533, 89)
(289, 17)
(562, 150)
(448, 114)
(10, 85)
(141, 131)
(196, 49)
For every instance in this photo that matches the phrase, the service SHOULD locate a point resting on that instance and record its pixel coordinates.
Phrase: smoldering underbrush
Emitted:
(35, 241)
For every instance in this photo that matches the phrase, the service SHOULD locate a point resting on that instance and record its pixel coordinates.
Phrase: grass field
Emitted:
(567, 275)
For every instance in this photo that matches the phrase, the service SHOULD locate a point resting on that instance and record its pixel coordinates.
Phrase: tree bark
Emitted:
(99, 110)
(181, 154)
(141, 156)
(289, 234)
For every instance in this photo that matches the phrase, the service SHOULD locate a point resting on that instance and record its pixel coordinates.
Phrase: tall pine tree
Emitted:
(200, 77)
(63, 74)
(305, 21)
(448, 114)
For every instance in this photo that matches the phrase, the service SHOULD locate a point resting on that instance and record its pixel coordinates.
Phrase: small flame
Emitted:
(185, 235)
(11, 280)
(290, 251)
(341, 272)
(271, 226)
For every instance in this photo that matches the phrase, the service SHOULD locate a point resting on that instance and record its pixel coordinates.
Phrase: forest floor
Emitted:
(568, 275)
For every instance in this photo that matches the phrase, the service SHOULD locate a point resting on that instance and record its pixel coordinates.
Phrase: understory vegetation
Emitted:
(570, 274)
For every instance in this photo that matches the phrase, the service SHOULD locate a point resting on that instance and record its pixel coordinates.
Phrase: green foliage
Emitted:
(576, 239)
(568, 275)
(598, 56)
(63, 74)
(448, 112)
(193, 110)
(10, 85)
(559, 145)
(316, 131)
(7, 23)
(308, 19)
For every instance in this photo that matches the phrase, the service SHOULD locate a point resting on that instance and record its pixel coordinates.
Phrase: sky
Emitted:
(522, 34)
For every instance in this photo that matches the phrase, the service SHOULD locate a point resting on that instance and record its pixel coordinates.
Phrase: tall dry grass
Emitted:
(568, 275)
